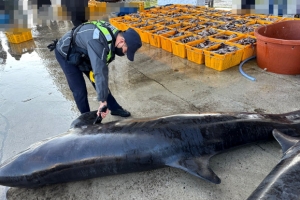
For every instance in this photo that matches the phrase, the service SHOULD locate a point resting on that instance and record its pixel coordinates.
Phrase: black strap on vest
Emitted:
(72, 40)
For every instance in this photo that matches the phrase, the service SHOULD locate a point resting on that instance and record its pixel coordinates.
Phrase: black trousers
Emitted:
(40, 3)
(78, 86)
(76, 9)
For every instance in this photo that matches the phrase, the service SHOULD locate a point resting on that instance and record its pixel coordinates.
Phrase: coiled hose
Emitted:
(241, 69)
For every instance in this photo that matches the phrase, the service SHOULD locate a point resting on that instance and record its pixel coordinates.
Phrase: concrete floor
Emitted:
(35, 103)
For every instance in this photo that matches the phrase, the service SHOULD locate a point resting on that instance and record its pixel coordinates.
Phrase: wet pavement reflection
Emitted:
(30, 80)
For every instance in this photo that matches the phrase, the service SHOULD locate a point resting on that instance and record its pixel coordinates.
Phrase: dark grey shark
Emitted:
(185, 141)
(283, 182)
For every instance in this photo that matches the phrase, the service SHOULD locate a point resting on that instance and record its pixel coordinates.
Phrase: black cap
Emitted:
(133, 41)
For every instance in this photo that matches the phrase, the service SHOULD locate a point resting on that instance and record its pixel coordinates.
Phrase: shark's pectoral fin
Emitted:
(198, 167)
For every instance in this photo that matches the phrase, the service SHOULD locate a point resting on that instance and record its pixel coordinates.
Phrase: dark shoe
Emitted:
(120, 112)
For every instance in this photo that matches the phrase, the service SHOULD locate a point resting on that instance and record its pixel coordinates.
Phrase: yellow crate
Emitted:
(178, 47)
(122, 26)
(264, 22)
(96, 9)
(194, 28)
(145, 32)
(248, 50)
(157, 20)
(165, 43)
(140, 25)
(203, 32)
(169, 22)
(194, 53)
(122, 22)
(221, 62)
(154, 37)
(114, 22)
(101, 6)
(185, 18)
(150, 11)
(244, 29)
(138, 28)
(270, 18)
(252, 16)
(22, 48)
(212, 23)
(135, 22)
(290, 18)
(165, 40)
(18, 36)
(179, 26)
(213, 16)
(227, 33)
(257, 24)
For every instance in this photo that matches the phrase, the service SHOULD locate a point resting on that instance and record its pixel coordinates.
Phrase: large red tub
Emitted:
(278, 47)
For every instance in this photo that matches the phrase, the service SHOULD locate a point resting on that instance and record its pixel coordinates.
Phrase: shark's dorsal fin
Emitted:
(284, 140)
(84, 119)
(198, 167)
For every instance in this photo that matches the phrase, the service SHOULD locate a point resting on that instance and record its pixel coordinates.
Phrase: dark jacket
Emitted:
(94, 42)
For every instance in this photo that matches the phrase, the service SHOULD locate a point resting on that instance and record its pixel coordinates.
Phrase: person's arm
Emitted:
(98, 54)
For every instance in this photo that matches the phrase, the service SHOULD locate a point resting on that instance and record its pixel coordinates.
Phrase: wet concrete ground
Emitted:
(35, 103)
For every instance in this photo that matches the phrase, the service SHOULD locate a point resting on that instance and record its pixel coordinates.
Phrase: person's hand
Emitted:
(102, 114)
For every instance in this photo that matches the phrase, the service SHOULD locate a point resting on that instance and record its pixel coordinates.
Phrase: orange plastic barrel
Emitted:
(278, 47)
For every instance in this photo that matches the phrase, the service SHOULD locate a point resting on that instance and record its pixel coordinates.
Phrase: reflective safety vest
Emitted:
(109, 32)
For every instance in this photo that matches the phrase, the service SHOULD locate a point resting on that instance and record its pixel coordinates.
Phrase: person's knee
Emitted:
(79, 93)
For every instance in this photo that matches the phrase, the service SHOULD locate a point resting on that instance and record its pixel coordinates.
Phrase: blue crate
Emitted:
(4, 19)
(127, 10)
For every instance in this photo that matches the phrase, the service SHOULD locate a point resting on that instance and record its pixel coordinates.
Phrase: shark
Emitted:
(283, 182)
(183, 141)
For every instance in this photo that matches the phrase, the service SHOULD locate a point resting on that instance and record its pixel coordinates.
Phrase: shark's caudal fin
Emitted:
(198, 167)
(285, 141)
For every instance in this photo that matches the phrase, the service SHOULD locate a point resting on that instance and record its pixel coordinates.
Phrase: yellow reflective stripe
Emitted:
(91, 76)
(106, 34)
(108, 37)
